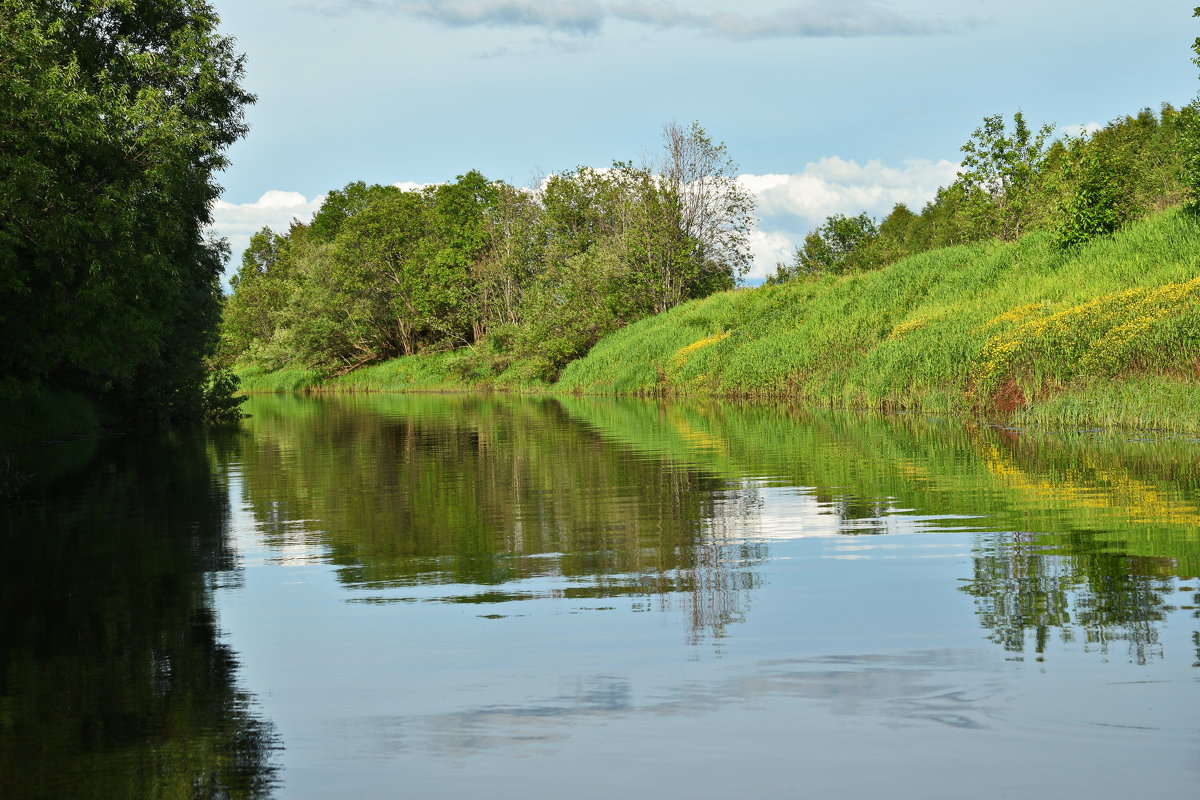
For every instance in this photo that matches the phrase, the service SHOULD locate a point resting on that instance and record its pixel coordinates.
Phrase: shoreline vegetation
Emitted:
(117, 118)
(1104, 334)
(1054, 282)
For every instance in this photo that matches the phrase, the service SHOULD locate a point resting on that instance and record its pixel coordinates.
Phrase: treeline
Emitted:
(1014, 180)
(523, 280)
(113, 119)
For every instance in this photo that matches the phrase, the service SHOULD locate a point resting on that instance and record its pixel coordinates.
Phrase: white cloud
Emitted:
(815, 18)
(276, 209)
(836, 186)
(794, 204)
(767, 250)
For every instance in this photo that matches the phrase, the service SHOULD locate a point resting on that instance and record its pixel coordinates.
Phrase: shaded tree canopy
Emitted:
(114, 116)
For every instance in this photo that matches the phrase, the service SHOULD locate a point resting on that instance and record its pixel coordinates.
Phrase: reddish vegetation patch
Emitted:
(1008, 397)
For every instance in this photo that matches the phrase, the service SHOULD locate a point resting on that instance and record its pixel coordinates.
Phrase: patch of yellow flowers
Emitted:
(681, 355)
(1136, 328)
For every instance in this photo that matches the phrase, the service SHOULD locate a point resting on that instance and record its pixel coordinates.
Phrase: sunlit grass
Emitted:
(1106, 334)
(926, 334)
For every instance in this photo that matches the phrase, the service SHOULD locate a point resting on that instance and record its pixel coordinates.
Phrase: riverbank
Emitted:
(1106, 334)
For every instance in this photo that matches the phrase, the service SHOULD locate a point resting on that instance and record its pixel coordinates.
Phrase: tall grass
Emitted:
(1105, 334)
(924, 334)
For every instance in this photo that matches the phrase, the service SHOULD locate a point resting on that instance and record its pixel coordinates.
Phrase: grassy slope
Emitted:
(1057, 338)
(924, 334)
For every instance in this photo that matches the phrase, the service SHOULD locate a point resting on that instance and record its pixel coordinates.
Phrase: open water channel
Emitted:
(450, 597)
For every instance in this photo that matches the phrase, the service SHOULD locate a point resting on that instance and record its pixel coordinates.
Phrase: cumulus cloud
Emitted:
(837, 186)
(767, 250)
(793, 204)
(276, 209)
(815, 18)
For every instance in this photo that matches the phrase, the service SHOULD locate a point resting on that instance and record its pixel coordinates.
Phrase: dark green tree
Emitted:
(342, 204)
(114, 116)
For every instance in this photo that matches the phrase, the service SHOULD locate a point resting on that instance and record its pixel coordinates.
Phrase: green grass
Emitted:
(921, 334)
(425, 373)
(1106, 334)
(292, 379)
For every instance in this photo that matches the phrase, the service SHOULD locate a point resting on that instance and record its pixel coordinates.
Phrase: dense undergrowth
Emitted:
(1107, 333)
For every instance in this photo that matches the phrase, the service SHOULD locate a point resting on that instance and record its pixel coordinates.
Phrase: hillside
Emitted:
(1104, 334)
(1107, 333)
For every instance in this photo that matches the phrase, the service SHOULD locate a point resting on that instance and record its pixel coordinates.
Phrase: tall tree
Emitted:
(114, 116)
(717, 213)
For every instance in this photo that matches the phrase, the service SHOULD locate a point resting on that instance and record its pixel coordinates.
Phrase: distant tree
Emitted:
(460, 242)
(831, 248)
(342, 204)
(1099, 204)
(999, 170)
(260, 290)
(381, 262)
(717, 214)
(1191, 177)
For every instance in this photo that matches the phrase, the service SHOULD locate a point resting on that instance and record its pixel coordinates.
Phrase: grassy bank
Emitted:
(1106, 334)
(426, 373)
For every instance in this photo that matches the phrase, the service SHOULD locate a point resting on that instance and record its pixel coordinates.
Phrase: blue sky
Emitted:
(828, 106)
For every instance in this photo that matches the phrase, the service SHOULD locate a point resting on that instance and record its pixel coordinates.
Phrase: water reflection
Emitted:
(492, 501)
(114, 681)
(447, 499)
(1081, 536)
(948, 688)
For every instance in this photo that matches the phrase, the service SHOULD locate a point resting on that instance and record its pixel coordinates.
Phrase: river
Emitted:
(445, 597)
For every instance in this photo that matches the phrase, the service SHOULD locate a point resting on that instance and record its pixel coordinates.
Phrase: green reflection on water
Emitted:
(113, 681)
(1079, 535)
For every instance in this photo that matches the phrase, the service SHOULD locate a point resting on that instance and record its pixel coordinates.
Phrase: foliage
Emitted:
(1099, 205)
(918, 334)
(999, 171)
(221, 401)
(524, 279)
(1191, 176)
(1013, 182)
(834, 248)
(115, 116)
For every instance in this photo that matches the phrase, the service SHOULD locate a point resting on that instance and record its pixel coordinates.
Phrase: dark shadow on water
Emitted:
(114, 681)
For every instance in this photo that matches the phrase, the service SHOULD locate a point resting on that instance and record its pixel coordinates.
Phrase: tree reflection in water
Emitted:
(520, 499)
(113, 678)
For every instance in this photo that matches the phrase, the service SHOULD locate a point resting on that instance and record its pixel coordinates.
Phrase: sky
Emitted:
(827, 106)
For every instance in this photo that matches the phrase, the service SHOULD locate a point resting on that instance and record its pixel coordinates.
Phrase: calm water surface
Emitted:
(449, 597)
